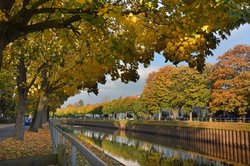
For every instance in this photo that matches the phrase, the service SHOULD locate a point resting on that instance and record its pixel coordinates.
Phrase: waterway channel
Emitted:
(135, 148)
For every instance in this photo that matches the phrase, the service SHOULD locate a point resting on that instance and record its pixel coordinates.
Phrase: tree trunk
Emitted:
(45, 113)
(159, 114)
(210, 119)
(41, 106)
(22, 106)
(1, 53)
(48, 113)
(175, 113)
(190, 115)
(2, 46)
(37, 120)
(22, 100)
(3, 42)
(151, 117)
(134, 116)
(1, 105)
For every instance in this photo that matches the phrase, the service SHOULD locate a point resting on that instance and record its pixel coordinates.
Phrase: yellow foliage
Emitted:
(205, 28)
(3, 17)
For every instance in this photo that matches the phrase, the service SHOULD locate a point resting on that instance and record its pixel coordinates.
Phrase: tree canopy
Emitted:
(61, 47)
(183, 30)
(176, 89)
(223, 86)
(230, 78)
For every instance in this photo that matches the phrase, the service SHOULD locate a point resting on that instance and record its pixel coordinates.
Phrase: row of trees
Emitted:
(176, 89)
(50, 50)
(121, 105)
(224, 86)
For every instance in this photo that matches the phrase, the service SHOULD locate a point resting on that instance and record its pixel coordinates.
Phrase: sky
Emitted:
(115, 89)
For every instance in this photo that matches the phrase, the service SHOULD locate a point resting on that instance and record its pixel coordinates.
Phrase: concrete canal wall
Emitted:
(228, 143)
(237, 138)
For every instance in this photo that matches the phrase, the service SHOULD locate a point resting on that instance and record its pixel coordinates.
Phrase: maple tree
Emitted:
(7, 89)
(68, 74)
(190, 89)
(150, 94)
(230, 81)
(50, 69)
(183, 30)
(118, 35)
(121, 105)
(171, 88)
(42, 68)
(19, 70)
(140, 108)
(73, 110)
(176, 89)
(127, 105)
(113, 107)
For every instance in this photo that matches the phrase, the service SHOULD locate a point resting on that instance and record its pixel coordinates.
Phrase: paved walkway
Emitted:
(7, 131)
(6, 125)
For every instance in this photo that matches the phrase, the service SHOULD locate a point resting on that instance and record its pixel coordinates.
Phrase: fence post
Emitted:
(63, 140)
(73, 156)
(58, 137)
(62, 157)
(52, 131)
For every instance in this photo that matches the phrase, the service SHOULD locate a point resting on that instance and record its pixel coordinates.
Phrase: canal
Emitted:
(135, 148)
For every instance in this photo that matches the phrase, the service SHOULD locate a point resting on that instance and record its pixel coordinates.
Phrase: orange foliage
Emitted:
(231, 81)
(34, 144)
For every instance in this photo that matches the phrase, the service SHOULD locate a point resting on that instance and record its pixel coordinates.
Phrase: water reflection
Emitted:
(133, 148)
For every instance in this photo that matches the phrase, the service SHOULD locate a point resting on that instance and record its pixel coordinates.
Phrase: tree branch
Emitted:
(6, 5)
(53, 88)
(27, 13)
(26, 2)
(38, 3)
(34, 78)
(62, 10)
(57, 23)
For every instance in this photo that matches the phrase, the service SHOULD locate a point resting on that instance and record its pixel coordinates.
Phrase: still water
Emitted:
(134, 148)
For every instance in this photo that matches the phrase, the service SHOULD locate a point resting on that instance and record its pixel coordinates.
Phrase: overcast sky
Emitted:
(115, 89)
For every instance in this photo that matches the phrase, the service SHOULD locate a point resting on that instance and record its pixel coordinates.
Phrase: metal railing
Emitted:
(199, 119)
(58, 137)
(245, 120)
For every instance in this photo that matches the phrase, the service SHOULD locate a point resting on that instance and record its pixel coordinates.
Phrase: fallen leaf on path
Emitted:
(34, 144)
